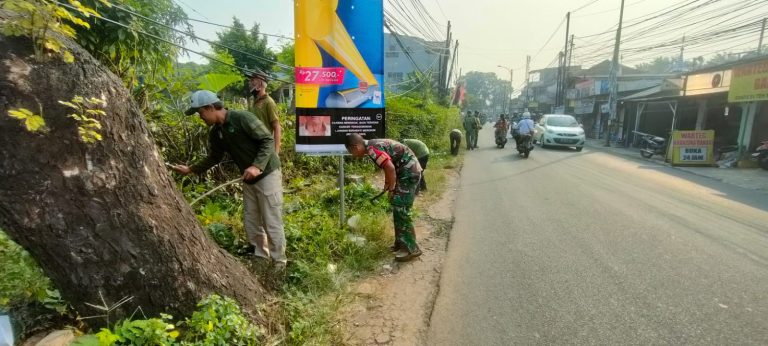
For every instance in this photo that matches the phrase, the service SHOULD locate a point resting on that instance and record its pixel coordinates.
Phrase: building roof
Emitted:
(728, 65)
(668, 88)
(604, 69)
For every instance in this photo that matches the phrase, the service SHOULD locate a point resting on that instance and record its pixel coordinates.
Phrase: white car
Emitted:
(559, 130)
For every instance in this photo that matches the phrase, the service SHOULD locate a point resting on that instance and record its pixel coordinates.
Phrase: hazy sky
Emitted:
(503, 32)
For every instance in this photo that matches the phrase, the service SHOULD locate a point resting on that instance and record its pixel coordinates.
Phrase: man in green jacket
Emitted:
(469, 128)
(250, 144)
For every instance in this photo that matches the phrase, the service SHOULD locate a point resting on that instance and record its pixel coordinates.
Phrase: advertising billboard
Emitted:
(339, 73)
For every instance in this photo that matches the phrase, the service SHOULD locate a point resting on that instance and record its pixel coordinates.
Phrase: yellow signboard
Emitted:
(750, 82)
(692, 147)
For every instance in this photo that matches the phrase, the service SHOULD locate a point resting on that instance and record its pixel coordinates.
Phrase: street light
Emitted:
(511, 87)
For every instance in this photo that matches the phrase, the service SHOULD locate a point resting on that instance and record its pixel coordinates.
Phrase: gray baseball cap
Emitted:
(201, 98)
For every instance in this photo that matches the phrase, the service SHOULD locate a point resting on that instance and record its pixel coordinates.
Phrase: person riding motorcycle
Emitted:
(525, 128)
(501, 131)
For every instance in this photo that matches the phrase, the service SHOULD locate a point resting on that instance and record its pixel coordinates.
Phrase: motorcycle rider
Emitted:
(525, 128)
(501, 129)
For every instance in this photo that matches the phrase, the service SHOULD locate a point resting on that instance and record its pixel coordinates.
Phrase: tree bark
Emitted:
(102, 219)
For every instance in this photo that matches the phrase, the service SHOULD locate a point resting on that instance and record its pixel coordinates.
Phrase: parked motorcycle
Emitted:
(761, 155)
(652, 145)
(525, 145)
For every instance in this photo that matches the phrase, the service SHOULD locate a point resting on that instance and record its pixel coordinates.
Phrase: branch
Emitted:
(215, 189)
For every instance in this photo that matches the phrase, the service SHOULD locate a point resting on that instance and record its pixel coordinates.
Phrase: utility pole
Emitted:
(682, 57)
(527, 79)
(567, 73)
(762, 34)
(453, 63)
(565, 59)
(558, 88)
(446, 54)
(612, 99)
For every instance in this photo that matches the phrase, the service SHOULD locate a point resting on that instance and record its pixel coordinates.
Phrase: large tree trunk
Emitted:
(102, 219)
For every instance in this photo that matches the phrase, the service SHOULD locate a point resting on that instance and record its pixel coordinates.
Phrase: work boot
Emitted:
(404, 255)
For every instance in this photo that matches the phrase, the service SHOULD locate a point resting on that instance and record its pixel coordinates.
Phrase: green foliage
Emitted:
(230, 238)
(484, 90)
(43, 20)
(84, 111)
(286, 56)
(21, 280)
(220, 75)
(310, 317)
(413, 118)
(247, 41)
(149, 332)
(219, 321)
(32, 121)
(129, 54)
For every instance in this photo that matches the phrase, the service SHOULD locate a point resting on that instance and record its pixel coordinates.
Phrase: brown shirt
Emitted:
(266, 110)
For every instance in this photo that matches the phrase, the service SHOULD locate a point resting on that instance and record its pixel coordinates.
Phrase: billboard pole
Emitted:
(342, 200)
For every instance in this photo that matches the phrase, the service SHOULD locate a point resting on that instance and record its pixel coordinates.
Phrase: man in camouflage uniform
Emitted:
(401, 177)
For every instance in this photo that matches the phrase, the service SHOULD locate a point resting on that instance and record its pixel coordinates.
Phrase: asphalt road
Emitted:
(592, 248)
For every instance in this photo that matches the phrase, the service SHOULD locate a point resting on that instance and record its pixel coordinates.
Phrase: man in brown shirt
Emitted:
(263, 106)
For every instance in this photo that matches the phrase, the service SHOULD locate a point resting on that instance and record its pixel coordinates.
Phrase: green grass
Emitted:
(21, 279)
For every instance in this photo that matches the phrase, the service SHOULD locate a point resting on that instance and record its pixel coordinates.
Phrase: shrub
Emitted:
(219, 321)
(415, 118)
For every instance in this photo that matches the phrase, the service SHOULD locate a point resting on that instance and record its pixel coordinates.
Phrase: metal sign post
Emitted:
(342, 201)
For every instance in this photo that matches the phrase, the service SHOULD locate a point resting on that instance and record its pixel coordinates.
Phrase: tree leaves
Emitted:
(33, 122)
(217, 81)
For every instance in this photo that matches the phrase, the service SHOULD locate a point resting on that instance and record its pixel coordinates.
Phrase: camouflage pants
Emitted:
(402, 201)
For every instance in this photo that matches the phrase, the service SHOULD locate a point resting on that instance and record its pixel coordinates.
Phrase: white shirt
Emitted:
(525, 126)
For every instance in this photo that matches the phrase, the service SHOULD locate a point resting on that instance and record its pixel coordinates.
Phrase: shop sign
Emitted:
(692, 147)
(707, 83)
(750, 82)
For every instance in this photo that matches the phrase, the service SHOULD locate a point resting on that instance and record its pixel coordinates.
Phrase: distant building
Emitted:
(398, 65)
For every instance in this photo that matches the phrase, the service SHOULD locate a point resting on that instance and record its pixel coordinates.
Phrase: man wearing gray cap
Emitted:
(251, 145)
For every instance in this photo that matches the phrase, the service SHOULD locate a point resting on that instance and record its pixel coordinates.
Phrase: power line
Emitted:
(549, 39)
(242, 69)
(585, 5)
(231, 27)
(202, 39)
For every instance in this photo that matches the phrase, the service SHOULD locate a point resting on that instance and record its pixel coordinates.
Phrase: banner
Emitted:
(749, 82)
(339, 73)
(692, 147)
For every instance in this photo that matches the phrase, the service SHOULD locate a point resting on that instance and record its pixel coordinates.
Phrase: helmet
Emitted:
(526, 115)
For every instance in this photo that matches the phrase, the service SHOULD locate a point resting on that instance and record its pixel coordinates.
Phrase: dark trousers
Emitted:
(423, 182)
(455, 143)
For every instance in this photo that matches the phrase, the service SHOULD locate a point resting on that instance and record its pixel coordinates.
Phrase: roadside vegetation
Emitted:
(325, 255)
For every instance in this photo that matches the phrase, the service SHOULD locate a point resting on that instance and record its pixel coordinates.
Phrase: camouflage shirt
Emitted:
(382, 150)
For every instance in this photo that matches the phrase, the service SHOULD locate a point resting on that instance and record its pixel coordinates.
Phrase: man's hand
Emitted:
(389, 185)
(251, 173)
(181, 169)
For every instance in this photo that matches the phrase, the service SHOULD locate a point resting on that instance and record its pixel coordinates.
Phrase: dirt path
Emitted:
(394, 307)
